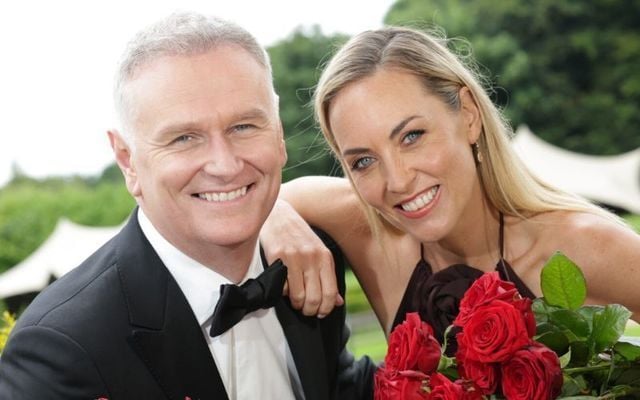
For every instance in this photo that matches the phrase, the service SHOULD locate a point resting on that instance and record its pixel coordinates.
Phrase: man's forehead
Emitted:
(223, 53)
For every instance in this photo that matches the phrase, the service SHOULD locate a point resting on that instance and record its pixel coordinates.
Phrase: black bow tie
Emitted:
(237, 301)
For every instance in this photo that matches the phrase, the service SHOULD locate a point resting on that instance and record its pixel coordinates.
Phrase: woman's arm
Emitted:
(327, 203)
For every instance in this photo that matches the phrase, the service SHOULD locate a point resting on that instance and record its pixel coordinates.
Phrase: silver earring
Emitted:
(479, 158)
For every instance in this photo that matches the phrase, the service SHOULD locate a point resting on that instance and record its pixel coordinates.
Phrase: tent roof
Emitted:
(611, 180)
(65, 248)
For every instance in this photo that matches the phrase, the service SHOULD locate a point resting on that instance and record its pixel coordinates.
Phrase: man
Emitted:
(201, 148)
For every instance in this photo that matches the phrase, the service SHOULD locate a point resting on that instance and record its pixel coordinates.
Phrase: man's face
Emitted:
(208, 153)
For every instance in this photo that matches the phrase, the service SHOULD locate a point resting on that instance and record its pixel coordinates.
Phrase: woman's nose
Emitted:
(399, 176)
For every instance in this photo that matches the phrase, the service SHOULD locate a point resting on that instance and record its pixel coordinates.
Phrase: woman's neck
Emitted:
(474, 241)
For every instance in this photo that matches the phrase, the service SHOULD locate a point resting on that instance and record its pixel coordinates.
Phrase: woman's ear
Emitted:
(470, 115)
(124, 159)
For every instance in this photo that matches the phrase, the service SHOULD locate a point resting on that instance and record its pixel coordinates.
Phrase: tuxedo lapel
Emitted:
(307, 349)
(165, 332)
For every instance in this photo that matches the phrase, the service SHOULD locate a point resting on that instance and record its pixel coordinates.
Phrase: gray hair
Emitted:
(179, 34)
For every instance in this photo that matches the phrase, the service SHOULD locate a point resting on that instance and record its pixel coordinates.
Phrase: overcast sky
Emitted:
(59, 57)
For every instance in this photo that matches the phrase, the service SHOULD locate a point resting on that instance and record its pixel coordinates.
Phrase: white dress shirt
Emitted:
(253, 357)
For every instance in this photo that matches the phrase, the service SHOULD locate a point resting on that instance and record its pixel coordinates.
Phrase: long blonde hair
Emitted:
(509, 185)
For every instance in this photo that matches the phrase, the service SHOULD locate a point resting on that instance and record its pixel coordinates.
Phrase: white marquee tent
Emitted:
(64, 249)
(610, 180)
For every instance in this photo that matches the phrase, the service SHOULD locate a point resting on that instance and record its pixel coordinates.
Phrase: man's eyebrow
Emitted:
(252, 113)
(177, 127)
(394, 132)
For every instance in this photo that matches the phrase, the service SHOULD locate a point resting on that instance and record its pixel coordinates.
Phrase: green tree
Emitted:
(296, 69)
(30, 209)
(568, 69)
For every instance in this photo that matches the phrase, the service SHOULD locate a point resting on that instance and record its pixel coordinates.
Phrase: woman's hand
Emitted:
(311, 280)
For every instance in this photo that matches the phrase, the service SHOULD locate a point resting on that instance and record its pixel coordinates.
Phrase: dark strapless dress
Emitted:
(436, 296)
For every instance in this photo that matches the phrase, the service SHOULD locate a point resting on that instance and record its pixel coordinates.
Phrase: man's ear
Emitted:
(470, 114)
(124, 158)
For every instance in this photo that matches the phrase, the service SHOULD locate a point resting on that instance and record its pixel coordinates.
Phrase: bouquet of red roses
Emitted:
(510, 347)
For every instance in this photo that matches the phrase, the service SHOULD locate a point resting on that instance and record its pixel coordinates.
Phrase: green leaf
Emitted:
(540, 310)
(562, 282)
(580, 353)
(629, 351)
(565, 358)
(588, 312)
(609, 325)
(621, 377)
(555, 340)
(572, 386)
(571, 321)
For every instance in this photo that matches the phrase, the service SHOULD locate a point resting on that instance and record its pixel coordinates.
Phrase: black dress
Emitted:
(436, 296)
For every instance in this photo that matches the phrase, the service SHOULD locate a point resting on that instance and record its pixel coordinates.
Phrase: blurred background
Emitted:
(568, 70)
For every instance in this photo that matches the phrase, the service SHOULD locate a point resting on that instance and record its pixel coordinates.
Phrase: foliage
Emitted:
(7, 323)
(567, 69)
(30, 209)
(594, 361)
(296, 62)
(634, 221)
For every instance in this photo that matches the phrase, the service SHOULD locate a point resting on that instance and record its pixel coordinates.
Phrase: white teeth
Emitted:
(223, 196)
(422, 201)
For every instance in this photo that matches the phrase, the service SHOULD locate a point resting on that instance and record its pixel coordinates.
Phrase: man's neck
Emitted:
(232, 262)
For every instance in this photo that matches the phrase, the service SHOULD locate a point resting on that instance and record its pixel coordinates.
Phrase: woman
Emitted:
(427, 155)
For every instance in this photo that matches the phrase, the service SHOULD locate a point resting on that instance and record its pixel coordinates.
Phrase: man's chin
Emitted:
(231, 238)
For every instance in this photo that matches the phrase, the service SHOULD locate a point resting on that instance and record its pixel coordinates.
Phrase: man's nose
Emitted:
(223, 159)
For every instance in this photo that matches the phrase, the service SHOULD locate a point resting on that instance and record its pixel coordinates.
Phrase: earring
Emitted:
(479, 158)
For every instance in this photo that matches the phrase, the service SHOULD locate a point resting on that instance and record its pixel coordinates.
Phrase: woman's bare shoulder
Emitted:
(607, 252)
(588, 235)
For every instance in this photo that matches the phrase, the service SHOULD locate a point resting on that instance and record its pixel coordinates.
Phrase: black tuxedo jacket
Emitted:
(119, 327)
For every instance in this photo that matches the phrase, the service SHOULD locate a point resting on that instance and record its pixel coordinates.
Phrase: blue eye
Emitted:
(413, 136)
(243, 127)
(182, 139)
(361, 163)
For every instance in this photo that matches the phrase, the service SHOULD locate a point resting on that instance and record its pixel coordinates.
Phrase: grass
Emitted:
(368, 342)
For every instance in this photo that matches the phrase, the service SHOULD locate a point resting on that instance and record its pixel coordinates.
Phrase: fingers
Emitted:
(329, 287)
(313, 293)
(295, 284)
(311, 280)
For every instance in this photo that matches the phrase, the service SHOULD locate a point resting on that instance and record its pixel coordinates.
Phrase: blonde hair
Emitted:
(508, 184)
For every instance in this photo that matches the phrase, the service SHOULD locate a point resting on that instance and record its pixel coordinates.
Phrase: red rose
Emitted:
(393, 385)
(493, 333)
(485, 289)
(412, 346)
(484, 376)
(442, 388)
(533, 373)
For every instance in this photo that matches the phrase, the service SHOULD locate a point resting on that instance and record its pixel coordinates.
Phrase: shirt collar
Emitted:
(199, 284)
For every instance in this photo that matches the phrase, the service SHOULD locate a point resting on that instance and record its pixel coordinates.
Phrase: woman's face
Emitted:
(408, 153)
